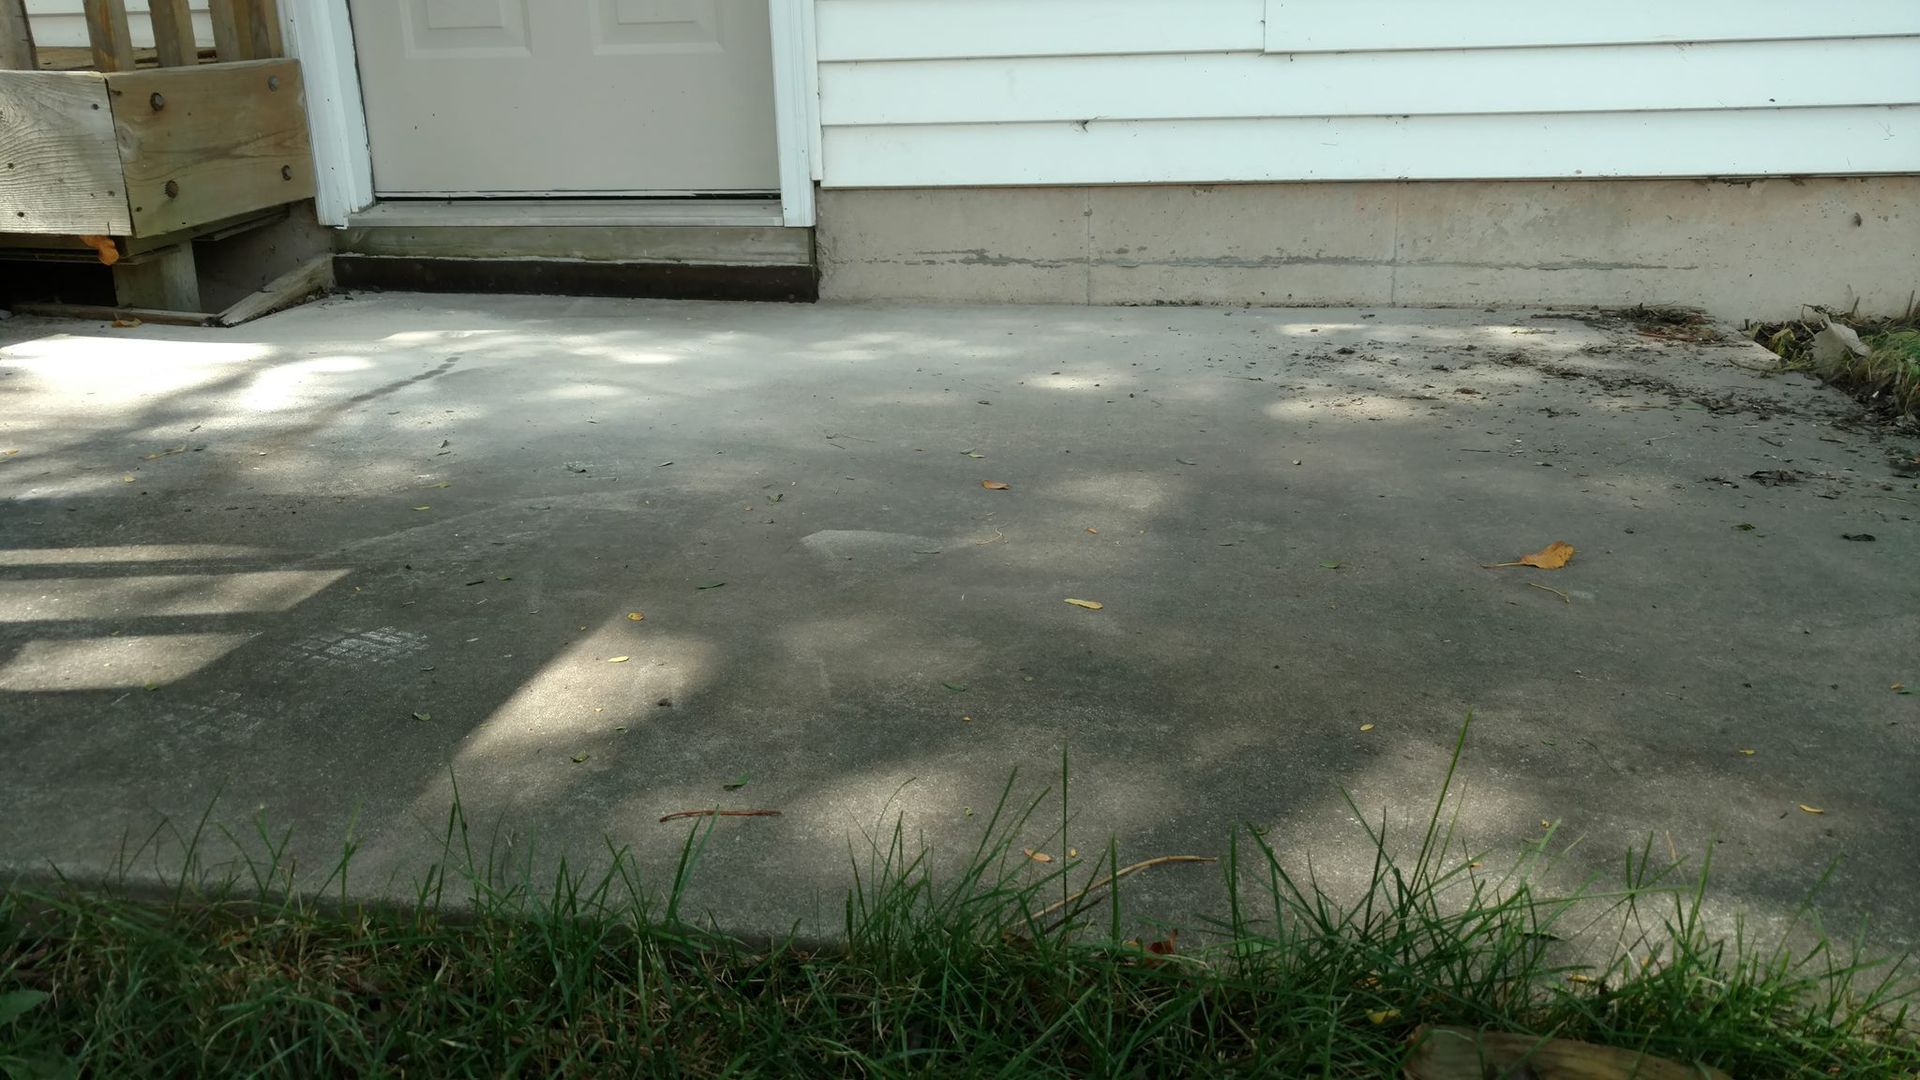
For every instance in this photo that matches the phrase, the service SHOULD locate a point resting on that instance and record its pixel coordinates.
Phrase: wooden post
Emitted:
(232, 30)
(107, 31)
(16, 38)
(265, 17)
(173, 33)
(164, 279)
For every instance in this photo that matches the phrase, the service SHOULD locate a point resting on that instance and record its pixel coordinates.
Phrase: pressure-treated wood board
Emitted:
(16, 37)
(313, 278)
(229, 138)
(59, 168)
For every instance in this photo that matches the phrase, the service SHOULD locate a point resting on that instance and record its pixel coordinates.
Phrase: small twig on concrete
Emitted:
(1563, 596)
(720, 813)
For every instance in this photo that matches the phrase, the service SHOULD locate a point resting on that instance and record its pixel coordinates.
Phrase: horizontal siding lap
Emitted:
(965, 92)
(1589, 79)
(1754, 142)
(933, 29)
(1355, 25)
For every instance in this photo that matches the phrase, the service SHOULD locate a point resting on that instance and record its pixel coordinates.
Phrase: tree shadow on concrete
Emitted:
(450, 511)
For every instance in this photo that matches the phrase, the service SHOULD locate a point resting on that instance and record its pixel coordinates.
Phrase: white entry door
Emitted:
(560, 97)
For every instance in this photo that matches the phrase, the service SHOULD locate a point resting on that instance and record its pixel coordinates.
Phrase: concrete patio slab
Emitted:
(329, 564)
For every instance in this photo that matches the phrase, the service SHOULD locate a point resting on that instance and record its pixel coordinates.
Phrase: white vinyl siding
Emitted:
(1361, 25)
(64, 23)
(988, 92)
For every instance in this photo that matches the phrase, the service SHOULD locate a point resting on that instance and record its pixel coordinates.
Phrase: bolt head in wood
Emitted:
(173, 189)
(273, 82)
(158, 101)
(286, 172)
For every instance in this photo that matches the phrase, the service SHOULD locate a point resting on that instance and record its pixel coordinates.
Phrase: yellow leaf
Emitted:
(1366, 727)
(635, 616)
(106, 249)
(1552, 557)
(966, 719)
(1073, 853)
(423, 508)
(619, 659)
(1384, 1015)
(126, 479)
(1093, 530)
(1749, 753)
(1579, 978)
(993, 485)
(1037, 856)
(1811, 809)
(1090, 605)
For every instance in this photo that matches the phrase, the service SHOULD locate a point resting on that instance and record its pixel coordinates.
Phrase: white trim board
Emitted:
(320, 35)
(795, 105)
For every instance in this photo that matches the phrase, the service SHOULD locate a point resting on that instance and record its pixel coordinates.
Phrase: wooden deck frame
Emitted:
(133, 153)
(131, 158)
(152, 150)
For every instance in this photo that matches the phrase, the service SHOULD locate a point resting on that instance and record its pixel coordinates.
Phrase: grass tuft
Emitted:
(1888, 377)
(1004, 966)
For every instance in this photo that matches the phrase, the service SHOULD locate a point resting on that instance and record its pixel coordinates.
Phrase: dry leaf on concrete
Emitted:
(1090, 605)
(1552, 557)
(1037, 856)
(993, 485)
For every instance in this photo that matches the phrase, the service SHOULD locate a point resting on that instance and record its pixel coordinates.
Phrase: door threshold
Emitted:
(508, 213)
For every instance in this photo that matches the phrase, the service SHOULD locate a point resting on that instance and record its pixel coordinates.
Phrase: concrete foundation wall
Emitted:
(1750, 249)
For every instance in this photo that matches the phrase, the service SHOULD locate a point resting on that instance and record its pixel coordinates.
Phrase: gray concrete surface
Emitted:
(239, 562)
(1748, 249)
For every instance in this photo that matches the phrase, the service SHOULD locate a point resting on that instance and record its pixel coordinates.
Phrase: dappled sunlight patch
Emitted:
(110, 663)
(1310, 329)
(1087, 381)
(585, 391)
(429, 337)
(575, 703)
(95, 372)
(147, 596)
(292, 385)
(128, 553)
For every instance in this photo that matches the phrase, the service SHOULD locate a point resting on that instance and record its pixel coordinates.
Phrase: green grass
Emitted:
(1888, 375)
(490, 973)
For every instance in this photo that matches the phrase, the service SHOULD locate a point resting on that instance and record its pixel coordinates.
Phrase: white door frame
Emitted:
(320, 34)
